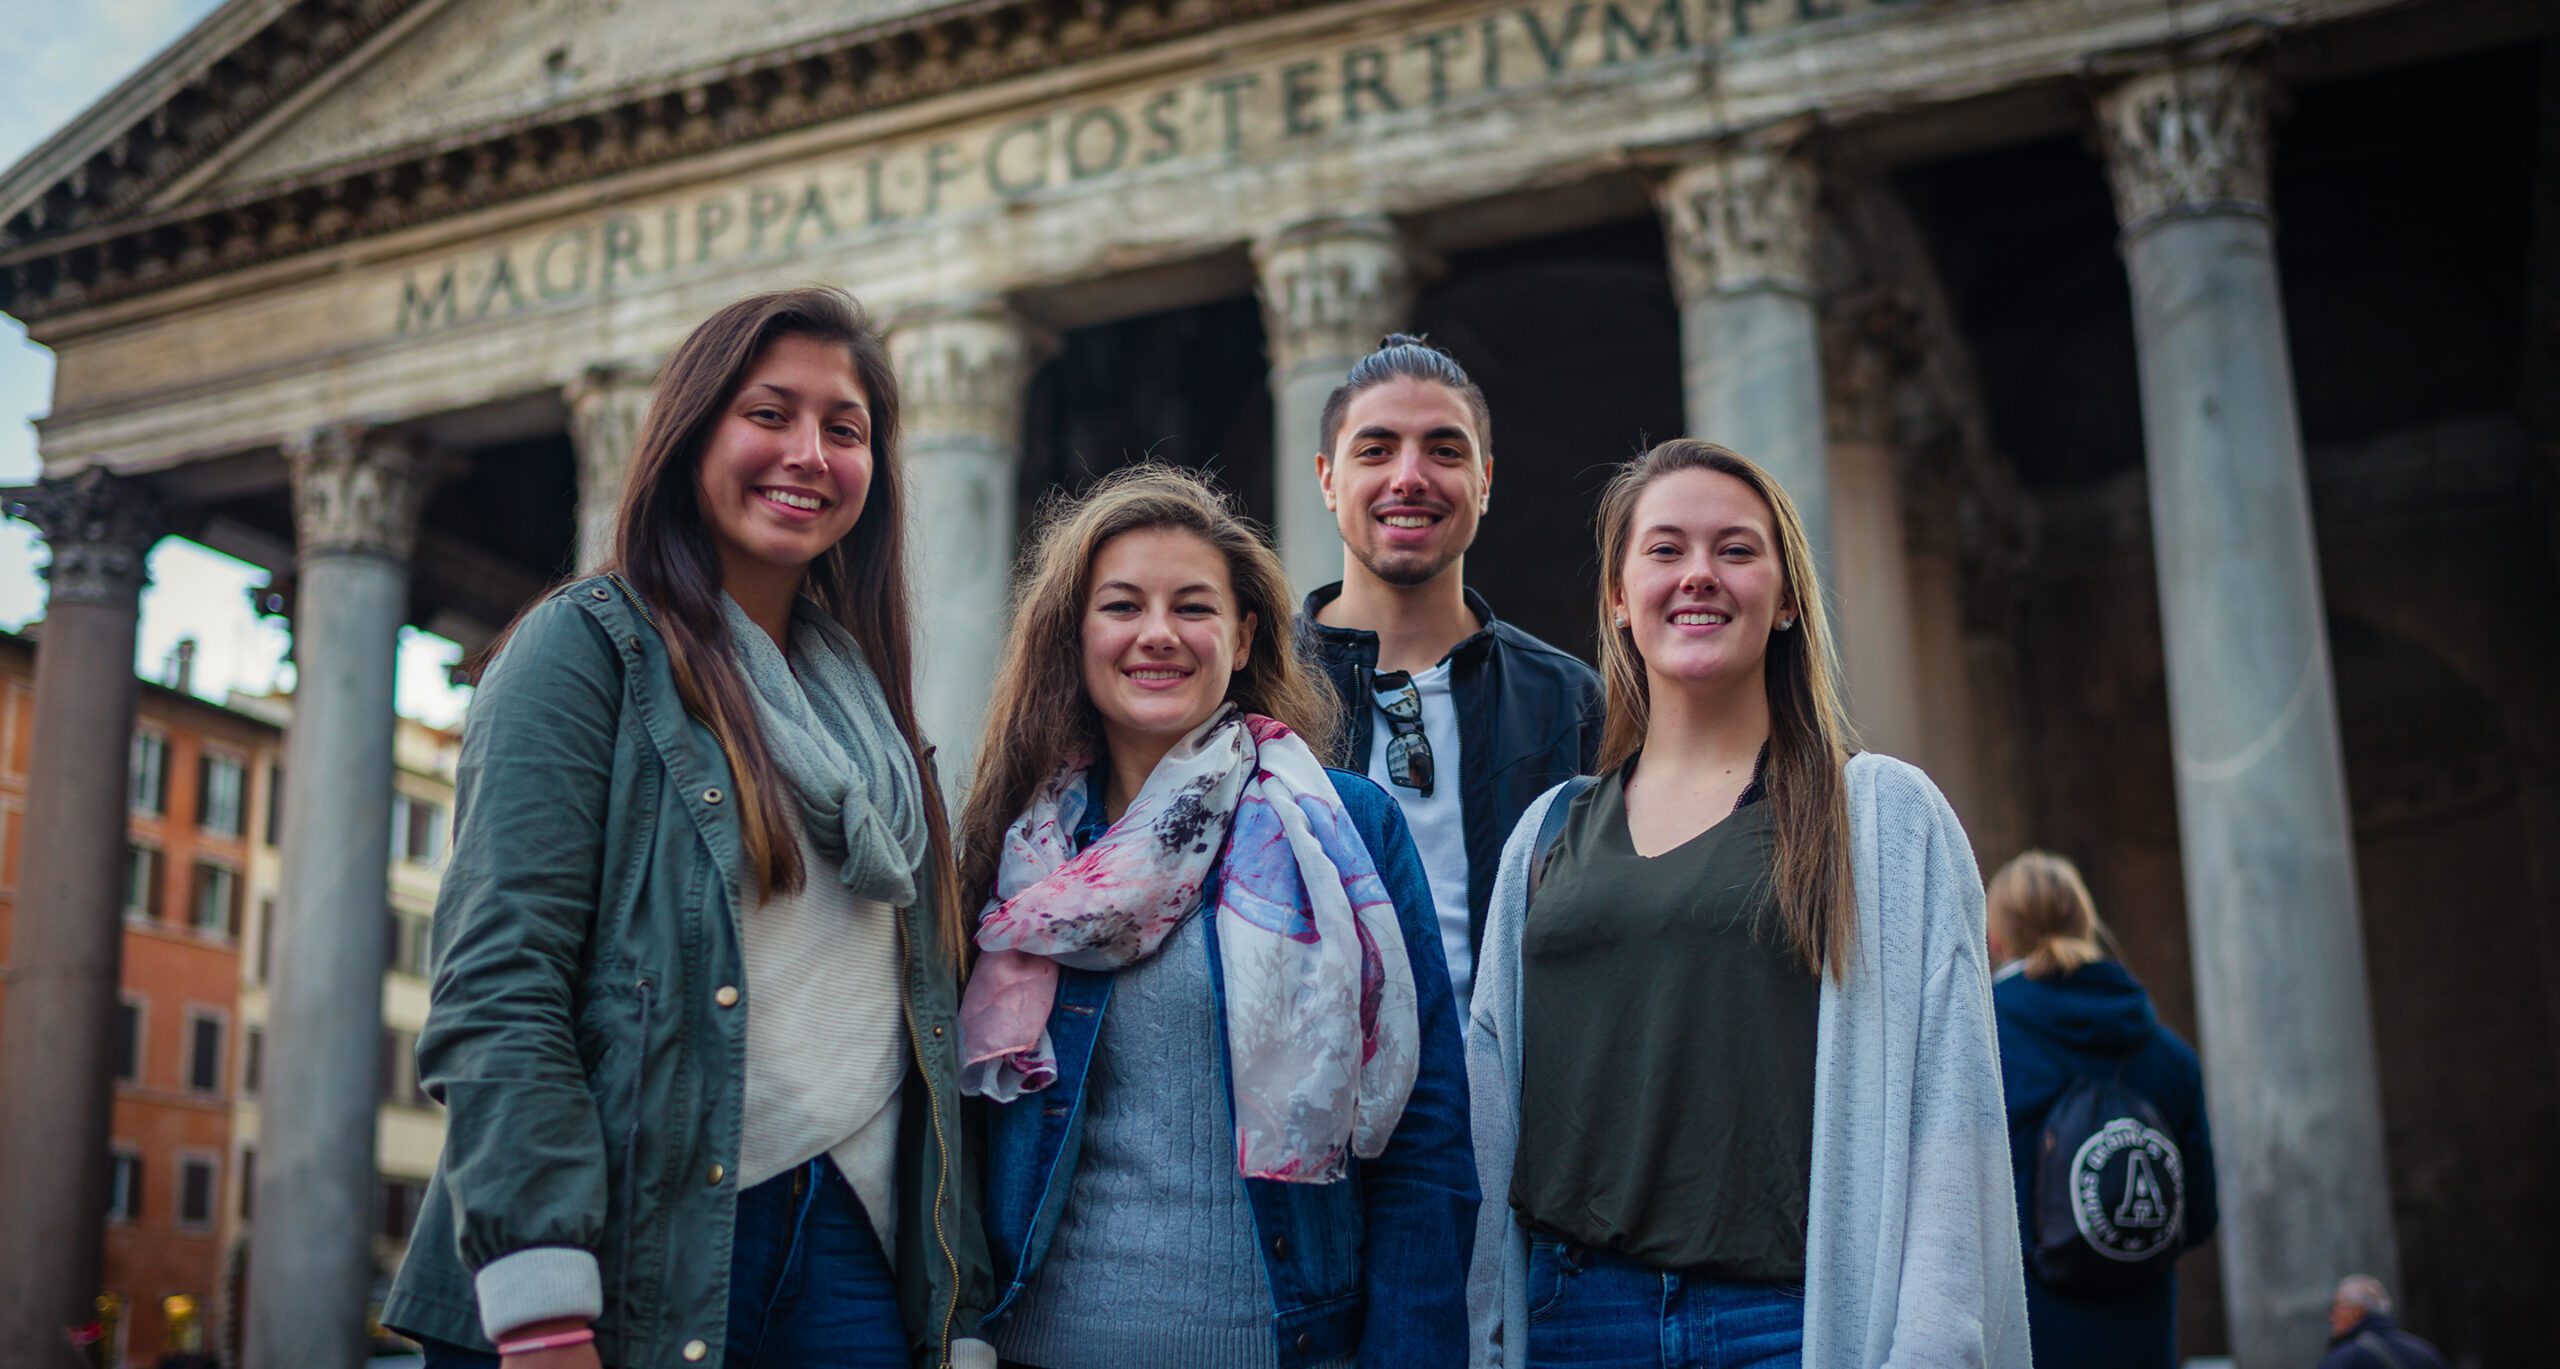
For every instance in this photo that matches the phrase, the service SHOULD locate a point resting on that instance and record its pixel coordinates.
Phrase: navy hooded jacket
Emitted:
(2094, 1021)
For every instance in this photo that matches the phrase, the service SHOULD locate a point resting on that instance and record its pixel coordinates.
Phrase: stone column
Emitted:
(2262, 805)
(1741, 228)
(1870, 573)
(607, 404)
(1330, 288)
(1943, 700)
(963, 372)
(356, 496)
(66, 950)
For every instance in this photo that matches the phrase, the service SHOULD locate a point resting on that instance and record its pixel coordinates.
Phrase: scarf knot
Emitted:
(827, 725)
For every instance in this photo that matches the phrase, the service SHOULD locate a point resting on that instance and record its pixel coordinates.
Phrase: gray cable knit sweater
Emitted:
(1911, 1244)
(1155, 1264)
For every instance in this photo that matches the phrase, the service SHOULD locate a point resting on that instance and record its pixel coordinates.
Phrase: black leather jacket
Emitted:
(1528, 717)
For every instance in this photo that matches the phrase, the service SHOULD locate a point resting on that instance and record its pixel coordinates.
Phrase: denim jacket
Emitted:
(1374, 1265)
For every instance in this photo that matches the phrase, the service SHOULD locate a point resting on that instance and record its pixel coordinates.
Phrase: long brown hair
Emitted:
(662, 545)
(1809, 733)
(1039, 714)
(2042, 912)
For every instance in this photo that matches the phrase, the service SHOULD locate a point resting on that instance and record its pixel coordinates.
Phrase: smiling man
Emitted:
(1464, 719)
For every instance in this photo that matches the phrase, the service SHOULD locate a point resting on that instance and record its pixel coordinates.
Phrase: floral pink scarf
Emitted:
(1322, 1038)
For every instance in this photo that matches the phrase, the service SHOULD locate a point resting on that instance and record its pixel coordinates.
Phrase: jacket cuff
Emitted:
(535, 1284)
(972, 1354)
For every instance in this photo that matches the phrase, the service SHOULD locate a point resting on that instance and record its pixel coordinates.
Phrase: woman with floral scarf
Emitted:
(1211, 1015)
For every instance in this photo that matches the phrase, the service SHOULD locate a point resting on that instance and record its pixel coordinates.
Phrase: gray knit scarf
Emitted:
(828, 728)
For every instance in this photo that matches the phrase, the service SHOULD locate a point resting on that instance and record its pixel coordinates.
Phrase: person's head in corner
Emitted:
(2359, 1296)
(1407, 464)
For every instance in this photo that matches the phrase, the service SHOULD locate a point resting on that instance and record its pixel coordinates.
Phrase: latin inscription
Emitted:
(1225, 118)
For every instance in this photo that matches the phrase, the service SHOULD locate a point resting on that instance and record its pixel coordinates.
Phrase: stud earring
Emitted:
(1618, 620)
(1786, 623)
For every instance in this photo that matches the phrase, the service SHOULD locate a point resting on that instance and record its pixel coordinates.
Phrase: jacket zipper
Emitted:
(645, 615)
(942, 1147)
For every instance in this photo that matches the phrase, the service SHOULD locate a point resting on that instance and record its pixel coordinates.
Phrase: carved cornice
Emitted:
(101, 528)
(2187, 138)
(1742, 219)
(1331, 287)
(357, 491)
(963, 373)
(220, 80)
(78, 246)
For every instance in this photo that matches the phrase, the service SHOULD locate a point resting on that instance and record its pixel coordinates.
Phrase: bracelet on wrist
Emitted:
(560, 1340)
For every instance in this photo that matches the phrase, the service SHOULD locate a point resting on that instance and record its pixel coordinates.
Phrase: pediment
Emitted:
(476, 64)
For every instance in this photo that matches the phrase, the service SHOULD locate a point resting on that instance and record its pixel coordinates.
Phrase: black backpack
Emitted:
(2111, 1190)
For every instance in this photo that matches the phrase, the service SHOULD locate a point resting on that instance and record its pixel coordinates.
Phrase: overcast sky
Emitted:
(57, 61)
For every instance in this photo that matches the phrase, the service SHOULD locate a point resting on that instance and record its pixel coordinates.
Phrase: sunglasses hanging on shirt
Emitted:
(1408, 746)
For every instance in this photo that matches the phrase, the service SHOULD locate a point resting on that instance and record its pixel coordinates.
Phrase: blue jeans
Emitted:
(808, 1283)
(1594, 1310)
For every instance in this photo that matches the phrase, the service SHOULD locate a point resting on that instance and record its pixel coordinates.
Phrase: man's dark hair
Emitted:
(1405, 356)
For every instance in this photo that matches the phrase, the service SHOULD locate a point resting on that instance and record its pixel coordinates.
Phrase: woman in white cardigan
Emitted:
(1736, 1087)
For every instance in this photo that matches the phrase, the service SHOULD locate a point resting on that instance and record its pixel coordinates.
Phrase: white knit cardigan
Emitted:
(1911, 1242)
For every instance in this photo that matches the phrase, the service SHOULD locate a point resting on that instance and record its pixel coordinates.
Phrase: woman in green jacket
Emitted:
(697, 949)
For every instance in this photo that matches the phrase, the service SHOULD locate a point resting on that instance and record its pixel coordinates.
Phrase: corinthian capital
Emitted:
(100, 527)
(2190, 137)
(1870, 349)
(1741, 219)
(357, 490)
(963, 371)
(1331, 288)
(607, 404)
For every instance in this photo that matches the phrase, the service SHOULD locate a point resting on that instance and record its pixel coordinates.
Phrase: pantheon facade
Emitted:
(2170, 388)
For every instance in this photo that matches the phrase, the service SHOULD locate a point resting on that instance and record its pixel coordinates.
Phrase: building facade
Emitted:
(177, 1049)
(408, 1126)
(2170, 390)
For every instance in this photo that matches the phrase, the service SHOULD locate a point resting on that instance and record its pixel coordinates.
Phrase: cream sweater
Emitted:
(826, 1043)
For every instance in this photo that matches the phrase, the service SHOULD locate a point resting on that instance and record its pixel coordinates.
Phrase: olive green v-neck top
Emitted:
(1667, 1051)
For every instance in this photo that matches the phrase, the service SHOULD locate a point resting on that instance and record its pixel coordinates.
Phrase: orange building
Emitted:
(201, 792)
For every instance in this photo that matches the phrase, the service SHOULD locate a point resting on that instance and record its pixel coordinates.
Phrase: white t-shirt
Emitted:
(1438, 823)
(826, 1038)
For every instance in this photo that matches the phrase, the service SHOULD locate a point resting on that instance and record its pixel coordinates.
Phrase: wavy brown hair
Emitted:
(1810, 738)
(662, 545)
(1039, 714)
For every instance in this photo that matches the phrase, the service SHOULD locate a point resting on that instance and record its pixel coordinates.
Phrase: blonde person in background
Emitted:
(2081, 1051)
(1734, 1087)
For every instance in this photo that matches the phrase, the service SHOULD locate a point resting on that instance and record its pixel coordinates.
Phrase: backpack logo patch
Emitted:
(2119, 1202)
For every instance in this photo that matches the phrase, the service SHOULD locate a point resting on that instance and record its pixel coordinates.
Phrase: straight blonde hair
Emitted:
(2042, 913)
(1039, 715)
(1810, 737)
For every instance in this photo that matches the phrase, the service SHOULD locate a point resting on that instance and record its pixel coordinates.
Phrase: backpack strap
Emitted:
(1551, 826)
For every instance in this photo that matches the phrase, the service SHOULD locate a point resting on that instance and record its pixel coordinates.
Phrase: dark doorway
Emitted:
(1186, 386)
